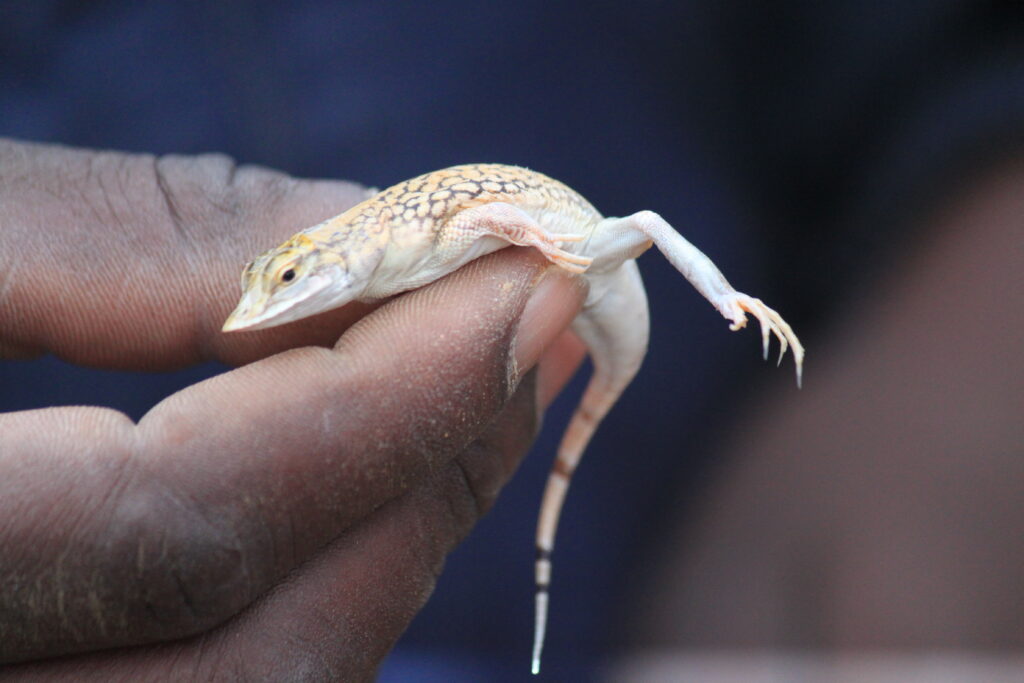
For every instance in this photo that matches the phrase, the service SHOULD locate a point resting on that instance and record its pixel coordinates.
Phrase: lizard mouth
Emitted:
(256, 310)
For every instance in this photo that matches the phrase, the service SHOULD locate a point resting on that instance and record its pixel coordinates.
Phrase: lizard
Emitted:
(417, 231)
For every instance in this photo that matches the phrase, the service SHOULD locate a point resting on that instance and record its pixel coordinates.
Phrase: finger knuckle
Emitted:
(182, 568)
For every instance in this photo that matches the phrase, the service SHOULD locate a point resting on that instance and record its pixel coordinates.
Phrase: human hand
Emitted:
(285, 519)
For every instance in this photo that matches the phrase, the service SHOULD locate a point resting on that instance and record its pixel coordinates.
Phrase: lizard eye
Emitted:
(288, 275)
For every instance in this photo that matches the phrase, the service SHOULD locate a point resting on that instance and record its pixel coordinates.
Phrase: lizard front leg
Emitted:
(456, 239)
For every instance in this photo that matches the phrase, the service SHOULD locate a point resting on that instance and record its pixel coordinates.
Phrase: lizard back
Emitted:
(403, 213)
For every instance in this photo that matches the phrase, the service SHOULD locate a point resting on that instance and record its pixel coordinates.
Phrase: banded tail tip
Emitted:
(539, 627)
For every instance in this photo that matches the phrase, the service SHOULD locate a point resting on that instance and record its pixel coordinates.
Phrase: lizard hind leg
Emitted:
(615, 329)
(709, 281)
(512, 225)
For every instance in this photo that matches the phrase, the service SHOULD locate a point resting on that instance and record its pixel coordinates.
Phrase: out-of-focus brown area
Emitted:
(882, 507)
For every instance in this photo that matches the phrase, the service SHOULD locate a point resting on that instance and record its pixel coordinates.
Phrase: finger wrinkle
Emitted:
(167, 195)
(106, 171)
(193, 570)
(82, 197)
(214, 180)
(187, 264)
(456, 490)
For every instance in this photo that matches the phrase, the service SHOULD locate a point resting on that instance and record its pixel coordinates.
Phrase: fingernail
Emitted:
(555, 301)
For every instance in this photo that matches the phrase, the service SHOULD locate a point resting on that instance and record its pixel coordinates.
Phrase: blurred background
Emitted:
(855, 164)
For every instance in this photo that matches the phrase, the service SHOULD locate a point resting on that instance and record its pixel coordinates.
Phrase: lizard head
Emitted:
(290, 282)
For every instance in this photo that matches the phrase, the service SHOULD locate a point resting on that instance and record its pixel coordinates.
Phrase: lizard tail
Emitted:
(615, 330)
(597, 401)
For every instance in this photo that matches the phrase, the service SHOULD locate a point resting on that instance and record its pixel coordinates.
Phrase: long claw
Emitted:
(571, 262)
(771, 323)
(573, 268)
(574, 258)
(755, 309)
(567, 237)
(574, 263)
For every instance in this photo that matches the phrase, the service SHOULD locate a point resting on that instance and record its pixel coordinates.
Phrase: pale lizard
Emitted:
(422, 229)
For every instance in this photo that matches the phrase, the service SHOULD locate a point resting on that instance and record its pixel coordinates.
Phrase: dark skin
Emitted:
(283, 520)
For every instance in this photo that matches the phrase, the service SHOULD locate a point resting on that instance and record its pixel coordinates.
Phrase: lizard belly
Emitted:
(402, 269)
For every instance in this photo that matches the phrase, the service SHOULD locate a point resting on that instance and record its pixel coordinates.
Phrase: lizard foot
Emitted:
(549, 245)
(735, 306)
(571, 262)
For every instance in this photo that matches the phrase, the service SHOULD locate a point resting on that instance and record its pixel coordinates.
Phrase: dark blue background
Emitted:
(785, 141)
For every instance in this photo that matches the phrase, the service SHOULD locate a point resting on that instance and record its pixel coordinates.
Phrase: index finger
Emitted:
(132, 261)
